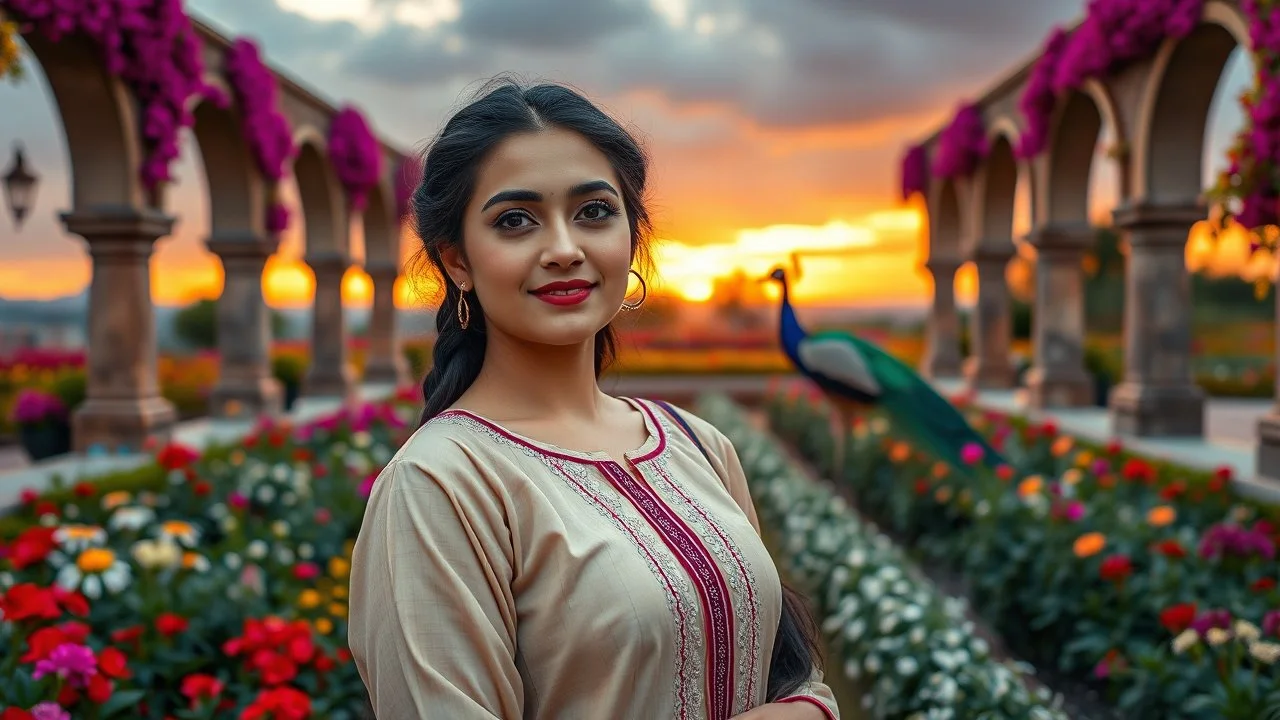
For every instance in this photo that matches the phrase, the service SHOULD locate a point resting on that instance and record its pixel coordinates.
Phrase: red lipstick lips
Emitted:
(564, 292)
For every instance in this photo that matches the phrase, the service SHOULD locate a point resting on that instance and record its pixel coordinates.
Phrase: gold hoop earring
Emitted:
(464, 310)
(644, 293)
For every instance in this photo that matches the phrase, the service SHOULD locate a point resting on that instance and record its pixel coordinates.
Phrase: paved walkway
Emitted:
(17, 474)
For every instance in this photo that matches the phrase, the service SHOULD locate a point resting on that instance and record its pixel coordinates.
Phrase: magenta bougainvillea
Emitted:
(408, 175)
(266, 129)
(151, 46)
(1253, 162)
(1113, 33)
(915, 171)
(356, 155)
(962, 144)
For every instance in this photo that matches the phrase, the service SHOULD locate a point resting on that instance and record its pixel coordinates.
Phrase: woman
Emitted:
(538, 548)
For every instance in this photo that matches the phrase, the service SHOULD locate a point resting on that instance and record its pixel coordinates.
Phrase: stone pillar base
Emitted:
(232, 400)
(1151, 411)
(120, 424)
(393, 370)
(1269, 445)
(989, 375)
(340, 384)
(1048, 390)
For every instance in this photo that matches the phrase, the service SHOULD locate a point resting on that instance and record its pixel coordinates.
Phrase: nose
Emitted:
(562, 249)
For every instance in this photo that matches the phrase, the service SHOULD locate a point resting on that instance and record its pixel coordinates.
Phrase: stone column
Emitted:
(1158, 396)
(385, 363)
(1268, 454)
(330, 373)
(1058, 377)
(942, 352)
(991, 328)
(123, 406)
(245, 386)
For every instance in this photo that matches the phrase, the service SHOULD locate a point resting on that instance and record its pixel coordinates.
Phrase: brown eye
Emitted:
(598, 211)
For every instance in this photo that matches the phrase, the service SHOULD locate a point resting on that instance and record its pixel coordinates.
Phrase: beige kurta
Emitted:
(498, 576)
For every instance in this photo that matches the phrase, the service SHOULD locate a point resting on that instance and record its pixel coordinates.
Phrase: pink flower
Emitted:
(237, 500)
(971, 454)
(49, 711)
(306, 571)
(366, 485)
(72, 661)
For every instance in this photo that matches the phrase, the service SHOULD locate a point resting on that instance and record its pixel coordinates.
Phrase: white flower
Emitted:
(912, 613)
(305, 551)
(284, 554)
(74, 538)
(229, 523)
(289, 498)
(70, 511)
(906, 666)
(95, 568)
(1265, 652)
(872, 664)
(162, 553)
(257, 549)
(855, 630)
(180, 531)
(232, 561)
(916, 635)
(1217, 636)
(280, 529)
(265, 493)
(131, 517)
(217, 511)
(1247, 631)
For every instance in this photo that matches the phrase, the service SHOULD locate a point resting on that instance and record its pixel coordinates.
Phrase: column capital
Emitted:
(328, 261)
(241, 245)
(1147, 215)
(1062, 236)
(991, 252)
(124, 233)
(943, 264)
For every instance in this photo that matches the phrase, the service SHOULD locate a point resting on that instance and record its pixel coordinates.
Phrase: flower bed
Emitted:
(912, 647)
(1150, 581)
(197, 587)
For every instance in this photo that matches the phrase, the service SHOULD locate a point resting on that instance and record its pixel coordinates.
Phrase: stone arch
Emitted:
(381, 229)
(99, 123)
(321, 196)
(996, 189)
(1169, 147)
(1073, 137)
(237, 194)
(945, 222)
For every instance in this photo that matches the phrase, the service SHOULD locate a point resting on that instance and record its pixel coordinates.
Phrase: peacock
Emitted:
(855, 375)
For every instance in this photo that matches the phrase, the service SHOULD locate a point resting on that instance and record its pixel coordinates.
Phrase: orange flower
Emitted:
(1062, 445)
(900, 452)
(1161, 515)
(940, 470)
(1030, 486)
(1089, 544)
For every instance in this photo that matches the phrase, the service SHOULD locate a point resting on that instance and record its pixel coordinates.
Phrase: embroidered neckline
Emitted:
(652, 447)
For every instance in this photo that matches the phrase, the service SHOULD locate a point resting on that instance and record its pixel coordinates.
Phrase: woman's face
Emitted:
(547, 241)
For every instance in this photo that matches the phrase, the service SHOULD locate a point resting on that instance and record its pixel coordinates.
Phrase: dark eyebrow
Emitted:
(512, 196)
(587, 188)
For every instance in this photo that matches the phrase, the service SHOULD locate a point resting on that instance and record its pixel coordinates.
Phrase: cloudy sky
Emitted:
(771, 124)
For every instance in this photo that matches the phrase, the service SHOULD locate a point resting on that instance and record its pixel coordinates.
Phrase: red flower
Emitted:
(84, 489)
(43, 641)
(1004, 472)
(306, 571)
(1177, 618)
(922, 486)
(1263, 584)
(28, 601)
(13, 713)
(112, 662)
(1115, 568)
(45, 507)
(201, 488)
(1173, 490)
(128, 634)
(170, 624)
(198, 686)
(282, 703)
(174, 456)
(1137, 470)
(1114, 447)
(31, 547)
(1170, 548)
(28, 496)
(1049, 428)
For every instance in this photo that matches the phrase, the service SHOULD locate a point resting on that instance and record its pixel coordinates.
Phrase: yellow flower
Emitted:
(324, 626)
(1072, 476)
(339, 567)
(308, 599)
(1161, 515)
(1088, 544)
(337, 609)
(1030, 486)
(95, 560)
(1062, 445)
(340, 592)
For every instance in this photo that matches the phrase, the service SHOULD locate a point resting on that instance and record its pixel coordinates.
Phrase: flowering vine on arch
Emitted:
(149, 44)
(915, 171)
(265, 128)
(962, 144)
(1112, 34)
(356, 155)
(1252, 176)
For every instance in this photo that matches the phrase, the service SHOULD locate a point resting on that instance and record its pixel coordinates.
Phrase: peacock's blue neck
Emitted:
(789, 329)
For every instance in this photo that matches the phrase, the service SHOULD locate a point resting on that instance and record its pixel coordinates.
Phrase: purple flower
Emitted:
(1228, 540)
(34, 406)
(962, 144)
(72, 661)
(915, 171)
(1271, 623)
(1210, 619)
(355, 153)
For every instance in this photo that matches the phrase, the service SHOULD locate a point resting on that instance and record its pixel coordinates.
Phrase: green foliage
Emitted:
(197, 324)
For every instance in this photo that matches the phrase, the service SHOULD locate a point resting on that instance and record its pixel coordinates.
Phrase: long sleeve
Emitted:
(730, 469)
(432, 617)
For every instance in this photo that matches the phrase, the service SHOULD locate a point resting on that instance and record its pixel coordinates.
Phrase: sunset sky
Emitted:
(773, 127)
